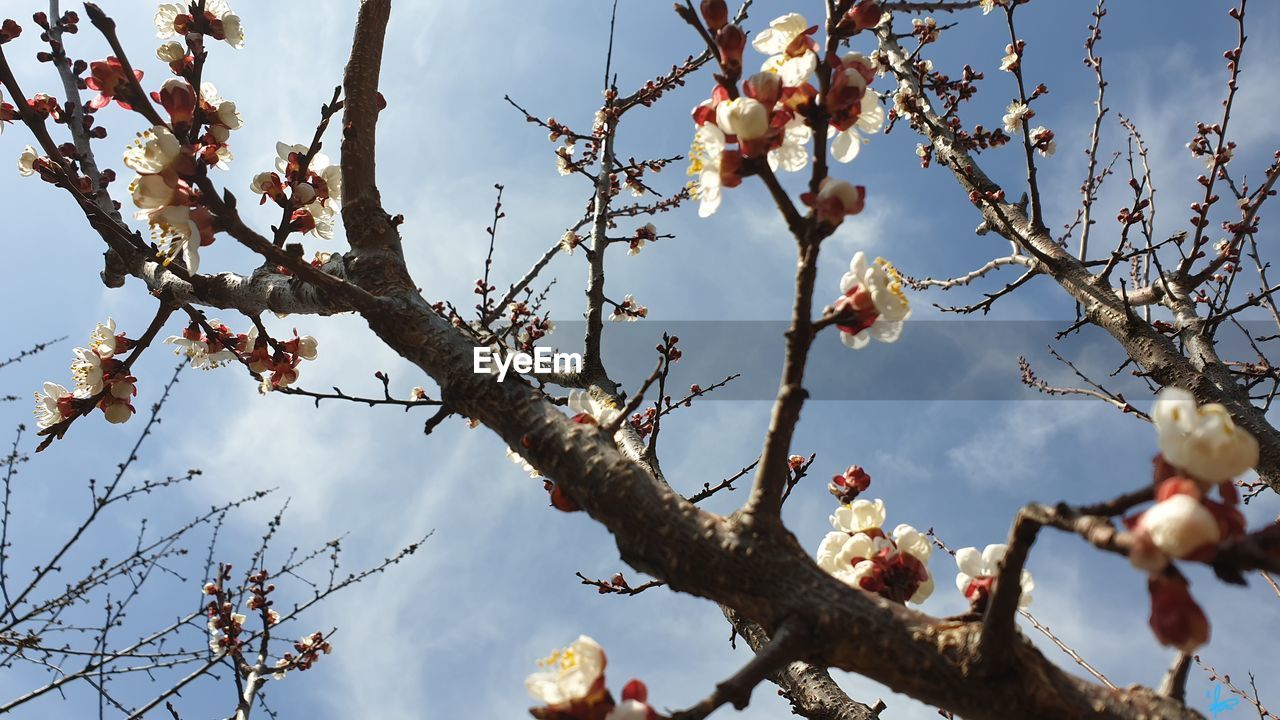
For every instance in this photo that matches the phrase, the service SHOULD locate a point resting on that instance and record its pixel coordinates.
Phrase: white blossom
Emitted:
(171, 52)
(569, 242)
(884, 284)
(859, 516)
(47, 411)
(744, 117)
(774, 42)
(629, 310)
(569, 674)
(974, 565)
(1180, 525)
(846, 144)
(1049, 148)
(27, 161)
(594, 404)
(153, 151)
(704, 166)
(86, 370)
(793, 154)
(225, 110)
(1017, 112)
(176, 232)
(1203, 441)
(103, 339)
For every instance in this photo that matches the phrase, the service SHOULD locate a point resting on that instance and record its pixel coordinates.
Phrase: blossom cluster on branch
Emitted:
(1201, 449)
(102, 381)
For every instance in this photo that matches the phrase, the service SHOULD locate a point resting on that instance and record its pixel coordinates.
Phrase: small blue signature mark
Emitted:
(1217, 705)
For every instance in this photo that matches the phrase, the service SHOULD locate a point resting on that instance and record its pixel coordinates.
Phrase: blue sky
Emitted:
(453, 632)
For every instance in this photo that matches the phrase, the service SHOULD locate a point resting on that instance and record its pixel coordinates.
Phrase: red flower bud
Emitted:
(863, 16)
(1176, 619)
(715, 13)
(177, 97)
(731, 41)
(636, 690)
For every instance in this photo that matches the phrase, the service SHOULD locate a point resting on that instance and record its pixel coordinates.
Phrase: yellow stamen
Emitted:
(895, 280)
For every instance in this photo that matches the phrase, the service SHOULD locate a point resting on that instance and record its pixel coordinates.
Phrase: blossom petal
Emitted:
(845, 146)
(969, 560)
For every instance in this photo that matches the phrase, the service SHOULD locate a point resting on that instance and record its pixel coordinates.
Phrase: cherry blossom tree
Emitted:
(822, 91)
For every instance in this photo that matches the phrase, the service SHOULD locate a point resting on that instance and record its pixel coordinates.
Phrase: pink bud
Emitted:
(766, 87)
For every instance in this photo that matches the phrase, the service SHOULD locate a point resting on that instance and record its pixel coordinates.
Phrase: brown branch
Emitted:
(727, 484)
(618, 585)
(786, 645)
(377, 258)
(809, 688)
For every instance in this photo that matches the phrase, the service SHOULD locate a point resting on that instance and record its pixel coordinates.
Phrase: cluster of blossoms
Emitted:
(308, 651)
(100, 378)
(644, 234)
(1200, 449)
(314, 186)
(276, 362)
(179, 221)
(1203, 147)
(859, 553)
(168, 157)
(771, 118)
(571, 686)
(872, 304)
(225, 624)
(628, 310)
(529, 327)
(218, 22)
(895, 566)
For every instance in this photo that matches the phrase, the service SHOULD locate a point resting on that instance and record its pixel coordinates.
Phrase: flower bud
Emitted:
(178, 99)
(1176, 619)
(116, 412)
(715, 13)
(123, 390)
(863, 16)
(744, 117)
(835, 199)
(731, 41)
(1180, 525)
(766, 87)
(171, 52)
(303, 194)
